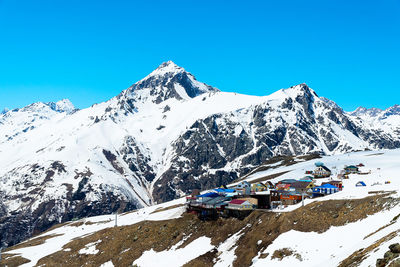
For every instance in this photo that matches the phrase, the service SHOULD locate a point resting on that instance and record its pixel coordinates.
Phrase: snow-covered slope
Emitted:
(155, 141)
(355, 224)
(19, 121)
(379, 120)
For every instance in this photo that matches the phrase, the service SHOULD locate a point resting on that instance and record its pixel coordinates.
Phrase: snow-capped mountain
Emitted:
(361, 111)
(376, 112)
(19, 121)
(155, 141)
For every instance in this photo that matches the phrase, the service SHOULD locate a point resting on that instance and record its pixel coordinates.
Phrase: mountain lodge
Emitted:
(321, 171)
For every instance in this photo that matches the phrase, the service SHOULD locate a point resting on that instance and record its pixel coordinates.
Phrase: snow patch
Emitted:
(90, 248)
(175, 257)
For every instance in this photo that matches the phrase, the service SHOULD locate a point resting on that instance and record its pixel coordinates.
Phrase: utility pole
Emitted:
(302, 198)
(116, 218)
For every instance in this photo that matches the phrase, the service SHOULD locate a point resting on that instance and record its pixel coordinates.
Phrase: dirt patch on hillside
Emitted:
(123, 245)
(33, 242)
(380, 229)
(12, 260)
(375, 154)
(168, 208)
(205, 260)
(285, 252)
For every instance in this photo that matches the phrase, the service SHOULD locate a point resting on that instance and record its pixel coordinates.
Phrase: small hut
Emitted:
(351, 169)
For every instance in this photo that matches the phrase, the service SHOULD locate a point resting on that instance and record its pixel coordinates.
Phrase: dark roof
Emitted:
(288, 181)
(216, 200)
(289, 193)
(351, 167)
(300, 185)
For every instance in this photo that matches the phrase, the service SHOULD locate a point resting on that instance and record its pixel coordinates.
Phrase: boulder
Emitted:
(395, 263)
(390, 255)
(395, 248)
(381, 262)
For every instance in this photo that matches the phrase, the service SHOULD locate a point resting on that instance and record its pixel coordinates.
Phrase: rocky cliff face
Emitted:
(157, 140)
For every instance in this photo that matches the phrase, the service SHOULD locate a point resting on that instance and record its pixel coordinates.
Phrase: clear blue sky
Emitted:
(89, 51)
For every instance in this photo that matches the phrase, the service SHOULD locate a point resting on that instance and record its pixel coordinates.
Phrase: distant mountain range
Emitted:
(163, 136)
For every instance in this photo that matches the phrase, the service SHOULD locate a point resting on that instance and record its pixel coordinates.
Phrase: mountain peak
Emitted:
(64, 105)
(61, 106)
(5, 110)
(302, 87)
(169, 81)
(362, 111)
(166, 67)
(167, 64)
(394, 110)
(299, 90)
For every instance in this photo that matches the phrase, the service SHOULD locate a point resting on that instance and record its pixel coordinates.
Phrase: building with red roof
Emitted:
(240, 204)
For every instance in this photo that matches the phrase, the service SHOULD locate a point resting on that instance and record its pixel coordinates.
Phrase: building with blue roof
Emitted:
(223, 190)
(207, 196)
(325, 189)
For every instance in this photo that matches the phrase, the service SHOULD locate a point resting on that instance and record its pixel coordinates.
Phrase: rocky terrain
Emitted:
(163, 136)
